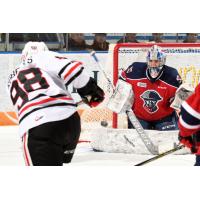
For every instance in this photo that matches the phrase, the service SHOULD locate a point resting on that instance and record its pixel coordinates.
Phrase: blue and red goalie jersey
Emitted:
(152, 98)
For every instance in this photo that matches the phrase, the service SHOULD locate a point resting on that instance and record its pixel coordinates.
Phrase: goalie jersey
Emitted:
(152, 99)
(189, 120)
(38, 91)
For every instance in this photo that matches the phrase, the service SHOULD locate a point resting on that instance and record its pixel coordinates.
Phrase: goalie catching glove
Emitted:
(182, 93)
(91, 93)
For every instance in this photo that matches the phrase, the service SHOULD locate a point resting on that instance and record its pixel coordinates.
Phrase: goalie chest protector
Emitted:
(152, 99)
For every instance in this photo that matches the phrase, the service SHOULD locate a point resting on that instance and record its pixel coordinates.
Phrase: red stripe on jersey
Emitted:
(43, 101)
(72, 69)
(25, 150)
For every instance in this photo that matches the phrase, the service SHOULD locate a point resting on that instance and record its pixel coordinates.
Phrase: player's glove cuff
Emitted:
(187, 141)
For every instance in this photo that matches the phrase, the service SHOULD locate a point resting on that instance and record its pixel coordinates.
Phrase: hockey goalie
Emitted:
(155, 86)
(127, 140)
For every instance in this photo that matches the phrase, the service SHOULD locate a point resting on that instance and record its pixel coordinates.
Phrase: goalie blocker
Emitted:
(122, 98)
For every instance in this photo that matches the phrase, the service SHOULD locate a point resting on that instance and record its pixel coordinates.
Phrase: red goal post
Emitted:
(189, 62)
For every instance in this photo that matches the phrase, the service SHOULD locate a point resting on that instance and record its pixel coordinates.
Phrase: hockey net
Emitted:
(185, 57)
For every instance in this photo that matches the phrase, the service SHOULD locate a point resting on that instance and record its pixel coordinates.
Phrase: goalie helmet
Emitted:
(32, 48)
(155, 54)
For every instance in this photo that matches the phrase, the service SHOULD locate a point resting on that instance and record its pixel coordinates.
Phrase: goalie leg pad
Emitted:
(127, 141)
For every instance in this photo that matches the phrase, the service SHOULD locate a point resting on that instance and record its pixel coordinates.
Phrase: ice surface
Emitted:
(11, 154)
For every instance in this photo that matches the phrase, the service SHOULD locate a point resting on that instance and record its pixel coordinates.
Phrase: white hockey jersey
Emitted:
(38, 89)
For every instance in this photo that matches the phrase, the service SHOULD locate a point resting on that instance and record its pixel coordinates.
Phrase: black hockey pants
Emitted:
(52, 143)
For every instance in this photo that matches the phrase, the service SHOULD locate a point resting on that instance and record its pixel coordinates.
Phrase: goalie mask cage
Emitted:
(185, 57)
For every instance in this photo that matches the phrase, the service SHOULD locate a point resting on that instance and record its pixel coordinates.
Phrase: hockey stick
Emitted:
(178, 147)
(144, 137)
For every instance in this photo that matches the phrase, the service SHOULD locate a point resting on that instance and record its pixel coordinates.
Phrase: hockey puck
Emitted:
(104, 123)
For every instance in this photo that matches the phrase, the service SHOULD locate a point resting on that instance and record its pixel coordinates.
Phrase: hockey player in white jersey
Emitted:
(48, 120)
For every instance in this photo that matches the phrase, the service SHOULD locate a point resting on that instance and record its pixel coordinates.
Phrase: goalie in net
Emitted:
(149, 89)
(154, 86)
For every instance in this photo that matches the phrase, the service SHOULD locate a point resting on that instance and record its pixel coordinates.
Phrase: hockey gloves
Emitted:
(91, 93)
(182, 93)
(188, 142)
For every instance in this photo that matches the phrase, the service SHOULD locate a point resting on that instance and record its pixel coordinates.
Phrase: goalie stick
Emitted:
(178, 147)
(144, 137)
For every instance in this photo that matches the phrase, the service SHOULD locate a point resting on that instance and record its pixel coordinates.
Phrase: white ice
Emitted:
(11, 154)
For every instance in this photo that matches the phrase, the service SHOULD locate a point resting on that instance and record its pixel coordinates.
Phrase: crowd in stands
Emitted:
(79, 42)
(76, 42)
(191, 38)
